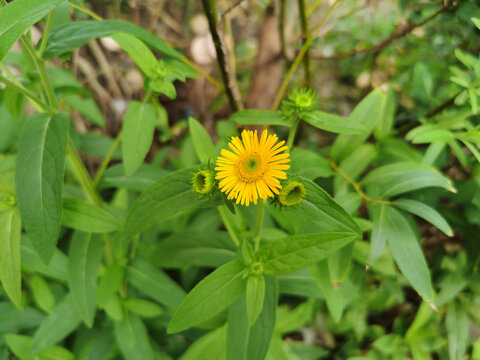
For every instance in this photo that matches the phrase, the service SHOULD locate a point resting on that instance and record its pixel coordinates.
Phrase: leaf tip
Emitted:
(367, 267)
(453, 190)
(433, 306)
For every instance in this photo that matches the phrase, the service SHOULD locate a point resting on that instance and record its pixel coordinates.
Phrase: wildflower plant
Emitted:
(220, 238)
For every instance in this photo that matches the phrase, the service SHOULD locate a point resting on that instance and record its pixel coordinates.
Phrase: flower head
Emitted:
(252, 170)
(299, 102)
(292, 193)
(203, 182)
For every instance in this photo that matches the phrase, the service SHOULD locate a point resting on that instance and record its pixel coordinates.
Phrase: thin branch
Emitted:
(231, 89)
(237, 3)
(446, 104)
(307, 61)
(396, 35)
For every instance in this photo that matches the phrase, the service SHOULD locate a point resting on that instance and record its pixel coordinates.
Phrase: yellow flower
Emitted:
(252, 170)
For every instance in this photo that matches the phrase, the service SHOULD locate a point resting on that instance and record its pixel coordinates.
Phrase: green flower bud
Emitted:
(203, 182)
(256, 268)
(292, 193)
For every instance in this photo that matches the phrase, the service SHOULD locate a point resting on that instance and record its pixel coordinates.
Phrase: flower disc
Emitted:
(252, 170)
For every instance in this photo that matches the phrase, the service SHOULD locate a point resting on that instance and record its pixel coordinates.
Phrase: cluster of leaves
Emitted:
(94, 268)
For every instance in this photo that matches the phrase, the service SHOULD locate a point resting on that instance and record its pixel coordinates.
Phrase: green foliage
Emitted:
(117, 242)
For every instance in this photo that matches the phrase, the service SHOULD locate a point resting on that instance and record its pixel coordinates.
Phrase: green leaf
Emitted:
(56, 326)
(333, 123)
(39, 179)
(87, 107)
(143, 178)
(56, 268)
(209, 346)
(202, 141)
(189, 248)
(167, 197)
(154, 283)
(384, 127)
(138, 51)
(298, 251)
(407, 253)
(321, 210)
(339, 264)
(132, 338)
(68, 37)
(476, 21)
(20, 346)
(334, 298)
(255, 297)
(458, 331)
(137, 134)
(290, 320)
(18, 16)
(143, 308)
(259, 117)
(425, 212)
(109, 283)
(84, 259)
(15, 320)
(245, 342)
(211, 295)
(81, 215)
(401, 177)
(10, 274)
(309, 164)
(378, 239)
(366, 113)
(42, 294)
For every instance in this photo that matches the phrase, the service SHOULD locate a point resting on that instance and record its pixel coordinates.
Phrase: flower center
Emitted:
(303, 101)
(251, 168)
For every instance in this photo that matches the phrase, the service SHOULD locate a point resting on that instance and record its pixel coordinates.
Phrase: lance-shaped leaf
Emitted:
(82, 215)
(154, 283)
(259, 117)
(407, 253)
(137, 134)
(320, 209)
(245, 342)
(202, 141)
(211, 295)
(298, 251)
(18, 16)
(334, 123)
(39, 179)
(378, 239)
(68, 37)
(255, 297)
(83, 261)
(425, 212)
(10, 274)
(57, 325)
(401, 177)
(458, 329)
(132, 338)
(166, 198)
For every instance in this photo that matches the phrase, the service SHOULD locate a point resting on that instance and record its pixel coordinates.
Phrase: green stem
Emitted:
(27, 93)
(226, 221)
(298, 59)
(306, 60)
(82, 175)
(291, 135)
(107, 159)
(258, 226)
(210, 10)
(43, 44)
(42, 71)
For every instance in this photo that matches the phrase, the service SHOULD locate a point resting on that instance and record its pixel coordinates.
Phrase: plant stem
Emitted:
(356, 185)
(298, 59)
(43, 44)
(291, 135)
(42, 71)
(258, 226)
(85, 10)
(226, 221)
(107, 159)
(210, 10)
(281, 29)
(306, 60)
(27, 93)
